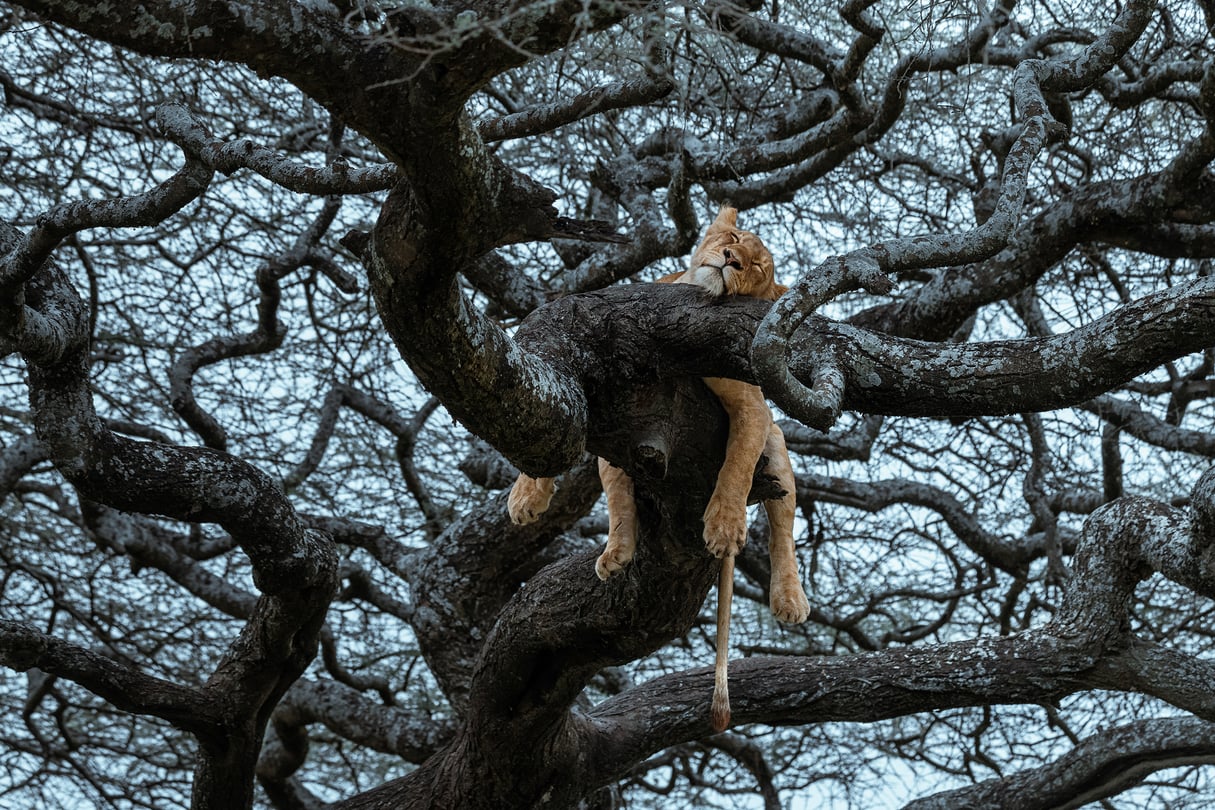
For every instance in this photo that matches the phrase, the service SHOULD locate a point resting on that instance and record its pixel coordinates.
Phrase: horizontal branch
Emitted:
(1030, 667)
(882, 374)
(183, 128)
(645, 332)
(23, 648)
(139, 210)
(547, 117)
(1085, 645)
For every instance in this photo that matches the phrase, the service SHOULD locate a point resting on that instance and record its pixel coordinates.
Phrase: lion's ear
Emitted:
(727, 217)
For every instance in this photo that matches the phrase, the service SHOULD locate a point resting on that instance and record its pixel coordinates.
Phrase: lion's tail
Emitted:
(721, 689)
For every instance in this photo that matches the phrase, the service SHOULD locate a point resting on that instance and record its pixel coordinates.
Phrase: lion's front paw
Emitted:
(725, 527)
(789, 602)
(529, 498)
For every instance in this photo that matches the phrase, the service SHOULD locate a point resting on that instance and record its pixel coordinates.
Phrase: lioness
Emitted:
(729, 261)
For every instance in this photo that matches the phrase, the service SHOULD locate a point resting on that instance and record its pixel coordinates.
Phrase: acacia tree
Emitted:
(247, 559)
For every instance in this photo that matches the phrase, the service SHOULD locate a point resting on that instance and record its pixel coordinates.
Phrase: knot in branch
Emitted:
(819, 404)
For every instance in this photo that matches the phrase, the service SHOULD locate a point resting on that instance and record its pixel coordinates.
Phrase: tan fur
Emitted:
(729, 261)
(719, 713)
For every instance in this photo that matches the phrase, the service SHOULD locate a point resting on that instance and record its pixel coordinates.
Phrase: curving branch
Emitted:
(778, 39)
(855, 443)
(818, 404)
(189, 708)
(751, 757)
(651, 238)
(516, 292)
(1129, 417)
(1006, 553)
(23, 259)
(405, 430)
(43, 334)
(547, 117)
(812, 154)
(147, 543)
(284, 753)
(1100, 766)
(183, 128)
(267, 337)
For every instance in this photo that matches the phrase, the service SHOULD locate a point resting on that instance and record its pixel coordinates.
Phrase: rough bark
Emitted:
(613, 373)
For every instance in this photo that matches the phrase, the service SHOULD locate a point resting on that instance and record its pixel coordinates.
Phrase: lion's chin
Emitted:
(706, 277)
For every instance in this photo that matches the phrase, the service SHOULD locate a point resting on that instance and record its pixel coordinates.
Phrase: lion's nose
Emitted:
(731, 259)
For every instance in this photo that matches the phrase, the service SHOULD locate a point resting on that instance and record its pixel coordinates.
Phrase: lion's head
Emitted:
(731, 261)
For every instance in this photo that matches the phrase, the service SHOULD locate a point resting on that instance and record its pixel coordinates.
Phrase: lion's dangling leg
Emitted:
(787, 598)
(725, 517)
(622, 520)
(529, 498)
(721, 686)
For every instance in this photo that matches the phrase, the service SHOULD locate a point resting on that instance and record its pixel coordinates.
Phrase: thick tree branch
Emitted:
(150, 208)
(537, 674)
(23, 648)
(668, 331)
(475, 567)
(295, 567)
(1038, 373)
(777, 39)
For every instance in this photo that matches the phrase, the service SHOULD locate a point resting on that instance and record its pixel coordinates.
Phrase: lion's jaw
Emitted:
(707, 277)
